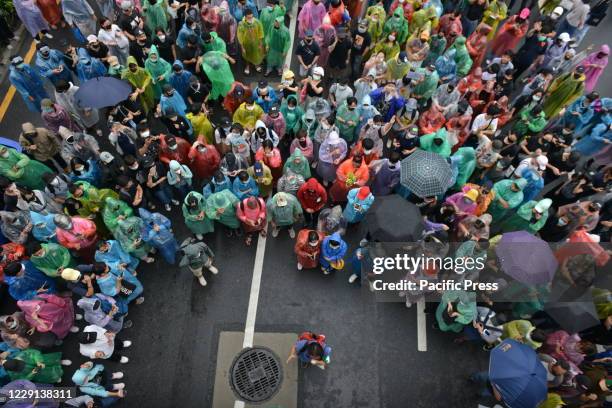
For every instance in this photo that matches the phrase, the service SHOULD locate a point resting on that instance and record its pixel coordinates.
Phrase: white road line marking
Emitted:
(421, 326)
(292, 33)
(249, 328)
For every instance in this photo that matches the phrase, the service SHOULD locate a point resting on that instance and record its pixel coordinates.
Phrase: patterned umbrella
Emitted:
(426, 174)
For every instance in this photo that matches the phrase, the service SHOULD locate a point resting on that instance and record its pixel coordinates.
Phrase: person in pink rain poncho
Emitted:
(49, 313)
(311, 16)
(594, 66)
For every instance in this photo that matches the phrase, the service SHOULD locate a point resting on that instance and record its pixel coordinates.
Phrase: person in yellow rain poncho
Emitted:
(141, 82)
(202, 128)
(251, 39)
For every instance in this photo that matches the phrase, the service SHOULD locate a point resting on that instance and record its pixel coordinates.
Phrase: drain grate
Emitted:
(256, 374)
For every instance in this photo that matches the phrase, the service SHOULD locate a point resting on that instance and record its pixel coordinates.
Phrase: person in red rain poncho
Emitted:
(365, 147)
(237, 94)
(450, 26)
(252, 215)
(431, 120)
(10, 252)
(511, 33)
(477, 44)
(174, 148)
(471, 83)
(350, 174)
(313, 197)
(204, 160)
(308, 248)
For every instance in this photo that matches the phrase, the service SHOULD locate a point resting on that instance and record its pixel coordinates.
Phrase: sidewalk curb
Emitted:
(6, 53)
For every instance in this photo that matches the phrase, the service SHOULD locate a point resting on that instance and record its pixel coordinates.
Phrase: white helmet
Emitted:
(318, 71)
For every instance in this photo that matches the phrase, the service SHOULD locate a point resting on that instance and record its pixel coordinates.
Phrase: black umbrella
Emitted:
(101, 92)
(575, 315)
(393, 219)
(426, 174)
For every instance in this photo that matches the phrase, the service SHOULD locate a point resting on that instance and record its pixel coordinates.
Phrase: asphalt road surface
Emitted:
(375, 362)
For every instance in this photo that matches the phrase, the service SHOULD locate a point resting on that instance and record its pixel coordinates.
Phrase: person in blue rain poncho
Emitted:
(244, 186)
(158, 232)
(238, 8)
(600, 136)
(359, 202)
(88, 171)
(88, 67)
(446, 66)
(111, 253)
(581, 113)
(172, 102)
(265, 96)
(106, 278)
(219, 182)
(187, 30)
(25, 281)
(43, 227)
(535, 184)
(28, 83)
(333, 250)
(51, 65)
(179, 78)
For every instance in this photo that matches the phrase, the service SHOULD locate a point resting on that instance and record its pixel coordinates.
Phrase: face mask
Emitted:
(133, 69)
(375, 126)
(173, 147)
(536, 97)
(79, 168)
(169, 94)
(153, 58)
(313, 244)
(48, 110)
(162, 38)
(316, 77)
(235, 134)
(202, 149)
(55, 182)
(562, 222)
(5, 154)
(145, 134)
(362, 30)
(250, 107)
(291, 107)
(134, 166)
(391, 38)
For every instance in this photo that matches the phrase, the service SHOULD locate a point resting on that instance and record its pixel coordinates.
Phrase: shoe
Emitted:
(140, 300)
(213, 269)
(322, 367)
(49, 36)
(117, 376)
(292, 233)
(199, 236)
(300, 266)
(274, 232)
(118, 386)
(78, 316)
(127, 324)
(247, 71)
(267, 73)
(258, 68)
(124, 360)
(126, 343)
(175, 202)
(326, 271)
(148, 259)
(202, 281)
(74, 329)
(352, 278)
(9, 47)
(408, 304)
(167, 207)
(66, 362)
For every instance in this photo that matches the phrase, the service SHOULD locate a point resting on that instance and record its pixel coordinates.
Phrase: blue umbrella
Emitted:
(517, 373)
(102, 92)
(10, 143)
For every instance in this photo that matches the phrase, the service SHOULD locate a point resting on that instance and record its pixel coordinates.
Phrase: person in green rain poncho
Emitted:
(50, 258)
(250, 36)
(212, 42)
(508, 195)
(216, 67)
(532, 121)
(221, 207)
(462, 56)
(437, 46)
(298, 164)
(269, 15)
(31, 364)
(466, 163)
(375, 16)
(114, 211)
(159, 69)
(397, 24)
(141, 82)
(388, 46)
(347, 119)
(21, 169)
(92, 199)
(292, 113)
(457, 308)
(278, 39)
(563, 91)
(129, 235)
(154, 13)
(496, 12)
(436, 143)
(529, 217)
(194, 212)
(426, 85)
(398, 66)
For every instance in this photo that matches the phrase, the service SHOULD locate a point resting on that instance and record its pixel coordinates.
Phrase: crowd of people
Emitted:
(505, 98)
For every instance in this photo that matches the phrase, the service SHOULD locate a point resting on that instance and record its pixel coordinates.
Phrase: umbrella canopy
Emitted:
(10, 143)
(393, 219)
(102, 92)
(426, 174)
(572, 308)
(517, 374)
(526, 258)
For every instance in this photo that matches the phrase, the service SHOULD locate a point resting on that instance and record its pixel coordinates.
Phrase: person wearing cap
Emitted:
(564, 90)
(555, 52)
(97, 49)
(141, 82)
(194, 213)
(359, 201)
(79, 14)
(237, 94)
(250, 36)
(397, 66)
(221, 207)
(247, 114)
(263, 177)
(28, 83)
(530, 216)
(331, 153)
(283, 210)
(308, 52)
(464, 201)
(197, 256)
(51, 64)
(265, 96)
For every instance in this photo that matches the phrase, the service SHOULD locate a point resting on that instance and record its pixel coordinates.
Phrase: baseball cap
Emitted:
(543, 205)
(258, 169)
(308, 33)
(318, 71)
(92, 38)
(70, 274)
(565, 37)
(542, 162)
(281, 201)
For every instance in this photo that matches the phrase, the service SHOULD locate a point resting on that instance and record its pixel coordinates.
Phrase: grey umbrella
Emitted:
(426, 174)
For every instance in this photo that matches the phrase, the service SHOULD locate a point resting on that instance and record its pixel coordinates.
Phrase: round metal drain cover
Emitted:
(256, 374)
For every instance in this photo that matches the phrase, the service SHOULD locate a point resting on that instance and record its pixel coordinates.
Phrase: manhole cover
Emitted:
(256, 374)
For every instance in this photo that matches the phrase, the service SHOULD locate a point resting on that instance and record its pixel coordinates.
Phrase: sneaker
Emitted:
(213, 269)
(408, 304)
(49, 36)
(175, 202)
(326, 271)
(292, 233)
(78, 316)
(118, 386)
(74, 329)
(314, 164)
(148, 259)
(322, 367)
(127, 324)
(202, 281)
(9, 47)
(126, 343)
(274, 232)
(352, 278)
(488, 347)
(124, 360)
(299, 266)
(140, 300)
(167, 207)
(267, 73)
(117, 376)
(66, 362)
(199, 236)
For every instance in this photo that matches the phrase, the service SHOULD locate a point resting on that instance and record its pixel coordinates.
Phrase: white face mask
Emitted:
(55, 182)
(362, 29)
(162, 38)
(146, 133)
(79, 168)
(316, 77)
(313, 244)
(536, 97)
(174, 147)
(250, 107)
(290, 107)
(391, 38)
